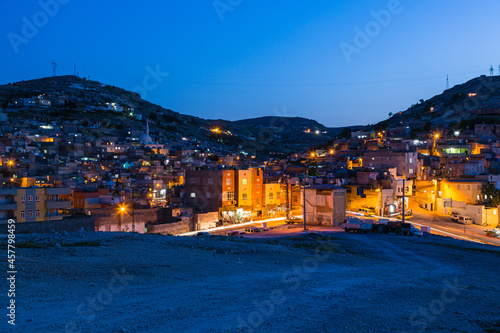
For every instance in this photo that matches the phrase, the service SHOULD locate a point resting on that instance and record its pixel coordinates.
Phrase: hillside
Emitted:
(87, 102)
(474, 102)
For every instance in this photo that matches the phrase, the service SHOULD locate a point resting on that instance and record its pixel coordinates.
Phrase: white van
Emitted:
(465, 220)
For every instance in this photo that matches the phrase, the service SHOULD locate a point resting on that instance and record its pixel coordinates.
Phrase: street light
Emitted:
(121, 210)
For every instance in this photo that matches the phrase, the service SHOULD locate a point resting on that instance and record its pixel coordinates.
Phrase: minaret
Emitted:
(147, 126)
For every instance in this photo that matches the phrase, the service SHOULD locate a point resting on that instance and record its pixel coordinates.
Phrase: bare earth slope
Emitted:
(336, 282)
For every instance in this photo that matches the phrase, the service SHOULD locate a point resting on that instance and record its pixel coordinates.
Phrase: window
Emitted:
(244, 181)
(270, 196)
(410, 170)
(458, 187)
(245, 196)
(210, 181)
(37, 213)
(37, 198)
(23, 215)
(208, 195)
(30, 198)
(411, 160)
(23, 198)
(468, 187)
(228, 182)
(228, 196)
(258, 186)
(277, 195)
(192, 181)
(193, 195)
(30, 213)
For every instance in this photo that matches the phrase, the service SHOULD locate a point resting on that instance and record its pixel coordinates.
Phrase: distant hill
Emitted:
(83, 100)
(474, 102)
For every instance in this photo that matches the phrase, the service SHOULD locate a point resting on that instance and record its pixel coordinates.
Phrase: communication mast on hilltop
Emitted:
(447, 83)
(74, 69)
(54, 66)
(491, 70)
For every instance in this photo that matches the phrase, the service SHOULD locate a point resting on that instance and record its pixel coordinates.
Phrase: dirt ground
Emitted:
(307, 282)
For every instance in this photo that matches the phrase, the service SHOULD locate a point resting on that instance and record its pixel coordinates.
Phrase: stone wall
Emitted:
(69, 224)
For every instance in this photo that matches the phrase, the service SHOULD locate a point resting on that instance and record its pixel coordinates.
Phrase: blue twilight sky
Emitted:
(246, 58)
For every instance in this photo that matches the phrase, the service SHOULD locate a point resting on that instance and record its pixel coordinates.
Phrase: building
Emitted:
(406, 161)
(325, 205)
(210, 190)
(33, 204)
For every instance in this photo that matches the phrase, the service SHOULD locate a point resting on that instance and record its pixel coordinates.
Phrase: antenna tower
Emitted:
(54, 66)
(491, 70)
(447, 83)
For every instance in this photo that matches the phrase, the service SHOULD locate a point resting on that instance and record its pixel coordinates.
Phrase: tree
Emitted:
(391, 114)
(346, 132)
(490, 195)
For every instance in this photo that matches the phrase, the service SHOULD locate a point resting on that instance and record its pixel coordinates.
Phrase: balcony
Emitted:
(58, 204)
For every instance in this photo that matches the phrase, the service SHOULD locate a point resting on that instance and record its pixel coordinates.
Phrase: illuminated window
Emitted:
(244, 181)
(208, 195)
(228, 182)
(244, 196)
(193, 195)
(270, 196)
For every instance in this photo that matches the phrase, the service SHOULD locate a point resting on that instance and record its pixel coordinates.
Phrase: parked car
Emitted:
(251, 230)
(416, 232)
(408, 215)
(366, 211)
(293, 220)
(202, 234)
(454, 218)
(465, 220)
(265, 229)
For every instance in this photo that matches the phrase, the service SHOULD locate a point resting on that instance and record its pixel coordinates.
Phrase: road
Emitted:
(442, 224)
(269, 222)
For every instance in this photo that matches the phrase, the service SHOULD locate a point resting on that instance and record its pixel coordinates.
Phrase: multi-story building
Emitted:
(210, 190)
(33, 204)
(405, 161)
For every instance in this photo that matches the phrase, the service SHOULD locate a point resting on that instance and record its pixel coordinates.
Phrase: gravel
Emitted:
(313, 282)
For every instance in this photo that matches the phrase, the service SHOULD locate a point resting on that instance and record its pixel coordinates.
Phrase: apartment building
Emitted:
(33, 204)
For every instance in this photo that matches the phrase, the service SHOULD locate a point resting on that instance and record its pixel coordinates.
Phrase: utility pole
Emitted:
(133, 211)
(304, 199)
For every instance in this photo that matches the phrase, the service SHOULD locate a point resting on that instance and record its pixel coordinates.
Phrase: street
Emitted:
(442, 224)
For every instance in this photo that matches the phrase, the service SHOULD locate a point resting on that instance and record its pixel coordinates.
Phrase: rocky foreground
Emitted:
(325, 282)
